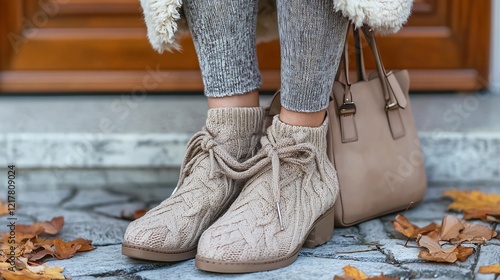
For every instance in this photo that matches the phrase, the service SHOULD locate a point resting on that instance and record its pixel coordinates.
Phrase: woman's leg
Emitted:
(312, 39)
(223, 32)
(224, 36)
(294, 186)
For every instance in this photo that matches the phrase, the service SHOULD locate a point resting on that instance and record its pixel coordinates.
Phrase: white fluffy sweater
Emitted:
(165, 22)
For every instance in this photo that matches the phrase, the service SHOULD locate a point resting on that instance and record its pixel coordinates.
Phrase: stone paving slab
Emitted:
(490, 254)
(363, 253)
(44, 198)
(89, 198)
(372, 246)
(103, 261)
(120, 210)
(302, 268)
(432, 270)
(101, 278)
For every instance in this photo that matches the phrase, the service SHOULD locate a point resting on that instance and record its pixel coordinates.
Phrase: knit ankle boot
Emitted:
(287, 204)
(170, 231)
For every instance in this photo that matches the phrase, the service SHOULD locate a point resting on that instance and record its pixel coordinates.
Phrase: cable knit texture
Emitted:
(203, 191)
(291, 169)
(166, 24)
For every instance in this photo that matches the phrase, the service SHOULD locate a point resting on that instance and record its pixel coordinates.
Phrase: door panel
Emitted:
(101, 45)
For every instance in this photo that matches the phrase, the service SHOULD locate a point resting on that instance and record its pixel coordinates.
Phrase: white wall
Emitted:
(495, 47)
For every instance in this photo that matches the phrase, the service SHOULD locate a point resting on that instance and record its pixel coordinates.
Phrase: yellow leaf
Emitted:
(46, 273)
(54, 272)
(354, 273)
(494, 268)
(475, 204)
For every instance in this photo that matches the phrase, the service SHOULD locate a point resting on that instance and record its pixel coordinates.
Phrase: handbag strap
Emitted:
(391, 102)
(360, 61)
(390, 91)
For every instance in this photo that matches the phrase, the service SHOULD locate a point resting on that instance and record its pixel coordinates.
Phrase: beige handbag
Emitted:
(372, 141)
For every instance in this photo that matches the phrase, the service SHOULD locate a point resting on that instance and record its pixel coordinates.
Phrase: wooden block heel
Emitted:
(322, 231)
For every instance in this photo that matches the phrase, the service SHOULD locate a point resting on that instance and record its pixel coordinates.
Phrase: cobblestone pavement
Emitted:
(373, 246)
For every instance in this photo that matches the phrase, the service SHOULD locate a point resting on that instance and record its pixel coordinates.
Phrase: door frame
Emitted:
(495, 48)
(475, 75)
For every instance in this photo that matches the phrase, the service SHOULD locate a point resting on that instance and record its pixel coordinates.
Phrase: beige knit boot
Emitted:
(170, 231)
(286, 205)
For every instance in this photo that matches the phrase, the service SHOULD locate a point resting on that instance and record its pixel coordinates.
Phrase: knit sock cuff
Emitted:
(302, 134)
(246, 120)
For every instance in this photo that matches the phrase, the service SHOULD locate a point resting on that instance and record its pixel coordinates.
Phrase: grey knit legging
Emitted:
(311, 38)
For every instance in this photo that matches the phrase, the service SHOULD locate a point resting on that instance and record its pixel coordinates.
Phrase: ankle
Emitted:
(313, 119)
(249, 99)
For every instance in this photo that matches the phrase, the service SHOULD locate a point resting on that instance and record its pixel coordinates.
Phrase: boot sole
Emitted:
(321, 232)
(156, 255)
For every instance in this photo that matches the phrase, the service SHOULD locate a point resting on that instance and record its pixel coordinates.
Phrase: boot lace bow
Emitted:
(274, 152)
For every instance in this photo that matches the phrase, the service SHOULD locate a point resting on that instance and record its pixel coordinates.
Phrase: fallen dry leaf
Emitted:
(40, 255)
(449, 255)
(24, 232)
(31, 247)
(4, 208)
(464, 253)
(432, 245)
(494, 268)
(54, 226)
(65, 250)
(451, 227)
(45, 273)
(352, 273)
(139, 213)
(435, 252)
(475, 204)
(127, 215)
(403, 225)
(460, 231)
(475, 233)
(62, 249)
(484, 213)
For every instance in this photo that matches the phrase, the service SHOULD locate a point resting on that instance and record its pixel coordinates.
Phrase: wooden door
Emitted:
(101, 45)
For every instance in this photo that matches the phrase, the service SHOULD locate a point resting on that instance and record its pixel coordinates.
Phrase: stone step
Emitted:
(103, 140)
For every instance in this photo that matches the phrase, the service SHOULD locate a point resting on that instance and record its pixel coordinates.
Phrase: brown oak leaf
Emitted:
(451, 227)
(475, 233)
(403, 225)
(66, 250)
(53, 226)
(435, 252)
(128, 215)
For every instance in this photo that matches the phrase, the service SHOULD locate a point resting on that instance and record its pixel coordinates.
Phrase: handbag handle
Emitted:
(349, 106)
